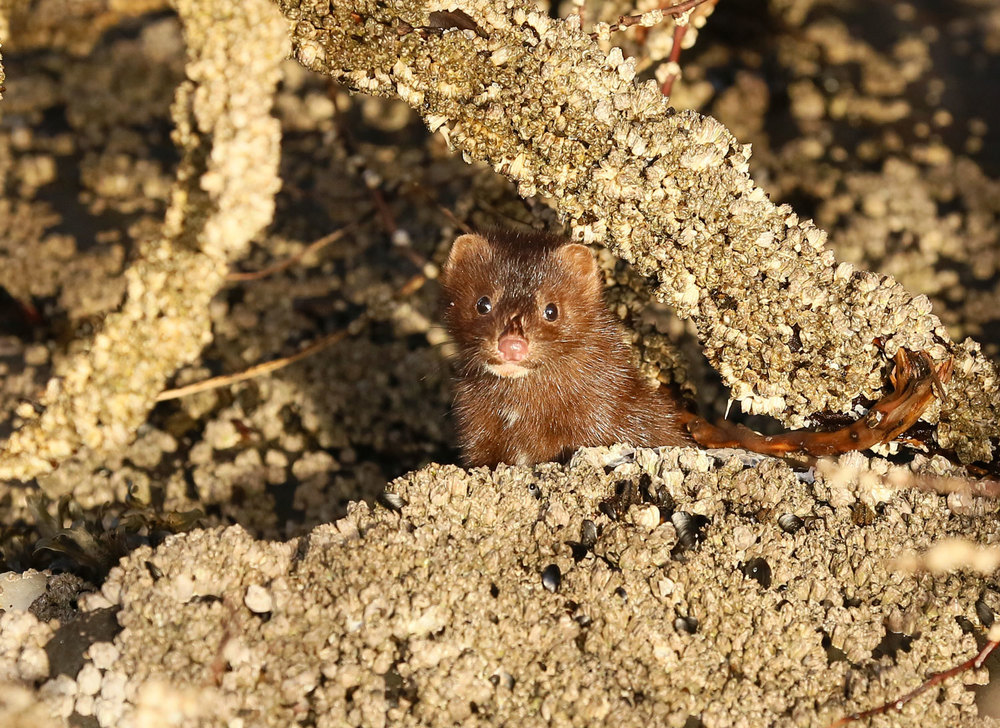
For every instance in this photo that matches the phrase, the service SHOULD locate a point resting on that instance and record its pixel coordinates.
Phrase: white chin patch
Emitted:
(509, 370)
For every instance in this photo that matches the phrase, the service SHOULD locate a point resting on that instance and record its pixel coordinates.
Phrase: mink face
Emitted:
(524, 306)
(543, 365)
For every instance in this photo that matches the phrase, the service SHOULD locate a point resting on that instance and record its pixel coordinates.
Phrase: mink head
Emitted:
(520, 303)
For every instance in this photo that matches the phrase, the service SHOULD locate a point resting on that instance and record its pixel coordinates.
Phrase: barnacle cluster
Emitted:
(726, 589)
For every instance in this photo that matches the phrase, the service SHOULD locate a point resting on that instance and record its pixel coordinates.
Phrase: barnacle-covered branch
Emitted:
(224, 194)
(791, 331)
(67, 24)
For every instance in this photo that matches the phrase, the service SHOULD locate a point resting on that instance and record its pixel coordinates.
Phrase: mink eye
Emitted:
(484, 305)
(551, 312)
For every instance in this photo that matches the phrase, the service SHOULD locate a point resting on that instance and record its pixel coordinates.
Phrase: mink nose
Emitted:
(512, 347)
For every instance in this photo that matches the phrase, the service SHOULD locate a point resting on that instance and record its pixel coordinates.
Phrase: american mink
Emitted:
(544, 367)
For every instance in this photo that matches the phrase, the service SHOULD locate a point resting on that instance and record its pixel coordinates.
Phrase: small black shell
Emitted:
(689, 530)
(392, 501)
(985, 614)
(551, 577)
(664, 500)
(503, 678)
(686, 624)
(790, 523)
(759, 570)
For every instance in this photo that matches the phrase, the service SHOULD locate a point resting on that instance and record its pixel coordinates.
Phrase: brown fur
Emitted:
(579, 387)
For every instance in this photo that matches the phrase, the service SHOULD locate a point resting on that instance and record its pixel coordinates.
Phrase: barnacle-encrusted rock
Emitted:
(438, 613)
(791, 331)
(224, 194)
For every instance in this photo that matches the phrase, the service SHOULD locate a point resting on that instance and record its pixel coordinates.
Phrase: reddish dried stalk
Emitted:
(916, 381)
(974, 663)
(385, 215)
(945, 485)
(679, 13)
(680, 30)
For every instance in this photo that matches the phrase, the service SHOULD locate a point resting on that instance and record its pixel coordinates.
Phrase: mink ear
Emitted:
(581, 263)
(466, 248)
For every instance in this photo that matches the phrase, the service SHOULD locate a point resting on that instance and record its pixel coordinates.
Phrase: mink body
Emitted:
(544, 367)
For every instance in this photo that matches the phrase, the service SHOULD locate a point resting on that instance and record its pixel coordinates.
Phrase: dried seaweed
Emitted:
(66, 537)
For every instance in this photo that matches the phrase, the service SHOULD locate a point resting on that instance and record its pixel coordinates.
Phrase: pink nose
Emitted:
(512, 347)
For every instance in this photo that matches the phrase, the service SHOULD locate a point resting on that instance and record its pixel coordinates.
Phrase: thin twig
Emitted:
(627, 21)
(682, 7)
(241, 276)
(347, 138)
(454, 219)
(461, 225)
(974, 663)
(254, 371)
(385, 214)
(412, 285)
